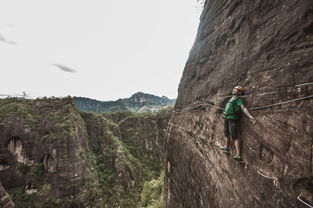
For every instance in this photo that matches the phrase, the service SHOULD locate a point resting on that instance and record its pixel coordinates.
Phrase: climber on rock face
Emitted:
(232, 114)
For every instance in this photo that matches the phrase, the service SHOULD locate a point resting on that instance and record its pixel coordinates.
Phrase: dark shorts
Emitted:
(231, 128)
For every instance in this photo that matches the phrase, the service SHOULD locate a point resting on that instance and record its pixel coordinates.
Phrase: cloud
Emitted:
(11, 42)
(10, 25)
(64, 68)
(2, 38)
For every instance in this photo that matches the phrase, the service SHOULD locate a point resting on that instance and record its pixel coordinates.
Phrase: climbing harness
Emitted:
(299, 198)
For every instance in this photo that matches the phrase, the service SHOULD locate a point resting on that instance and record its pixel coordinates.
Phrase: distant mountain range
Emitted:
(139, 102)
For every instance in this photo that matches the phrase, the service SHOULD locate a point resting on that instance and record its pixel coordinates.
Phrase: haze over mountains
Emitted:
(139, 102)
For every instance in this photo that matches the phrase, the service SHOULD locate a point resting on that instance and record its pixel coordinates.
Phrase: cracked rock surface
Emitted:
(265, 46)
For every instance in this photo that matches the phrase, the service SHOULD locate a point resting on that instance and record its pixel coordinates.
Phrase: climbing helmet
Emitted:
(240, 88)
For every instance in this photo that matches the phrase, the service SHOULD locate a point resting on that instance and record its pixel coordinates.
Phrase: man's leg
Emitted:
(227, 145)
(234, 136)
(238, 147)
(227, 137)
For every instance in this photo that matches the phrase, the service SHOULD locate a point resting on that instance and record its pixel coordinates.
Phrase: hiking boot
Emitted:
(225, 149)
(238, 158)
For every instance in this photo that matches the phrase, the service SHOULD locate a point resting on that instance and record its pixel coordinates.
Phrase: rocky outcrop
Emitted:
(52, 155)
(126, 154)
(267, 47)
(146, 133)
(42, 145)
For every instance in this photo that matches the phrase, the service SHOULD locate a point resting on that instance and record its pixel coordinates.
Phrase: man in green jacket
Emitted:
(232, 114)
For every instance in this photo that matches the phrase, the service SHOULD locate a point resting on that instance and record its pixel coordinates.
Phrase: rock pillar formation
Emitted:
(266, 46)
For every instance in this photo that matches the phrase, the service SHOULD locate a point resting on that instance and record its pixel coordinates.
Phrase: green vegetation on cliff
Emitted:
(125, 176)
(18, 108)
(34, 125)
(42, 199)
(121, 152)
(57, 116)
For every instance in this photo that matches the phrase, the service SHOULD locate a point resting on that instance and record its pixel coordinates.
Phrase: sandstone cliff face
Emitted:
(267, 47)
(146, 134)
(127, 157)
(52, 155)
(42, 144)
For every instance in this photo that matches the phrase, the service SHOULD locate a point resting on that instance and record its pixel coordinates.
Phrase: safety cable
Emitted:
(299, 198)
(265, 176)
(304, 84)
(258, 171)
(281, 103)
(201, 106)
(213, 106)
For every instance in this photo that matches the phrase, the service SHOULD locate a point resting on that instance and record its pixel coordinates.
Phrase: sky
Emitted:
(100, 49)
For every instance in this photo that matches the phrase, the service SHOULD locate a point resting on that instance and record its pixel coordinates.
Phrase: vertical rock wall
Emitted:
(267, 47)
(42, 143)
(126, 158)
(146, 134)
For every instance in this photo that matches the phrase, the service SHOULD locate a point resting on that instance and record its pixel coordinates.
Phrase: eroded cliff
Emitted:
(42, 151)
(265, 46)
(53, 155)
(126, 158)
